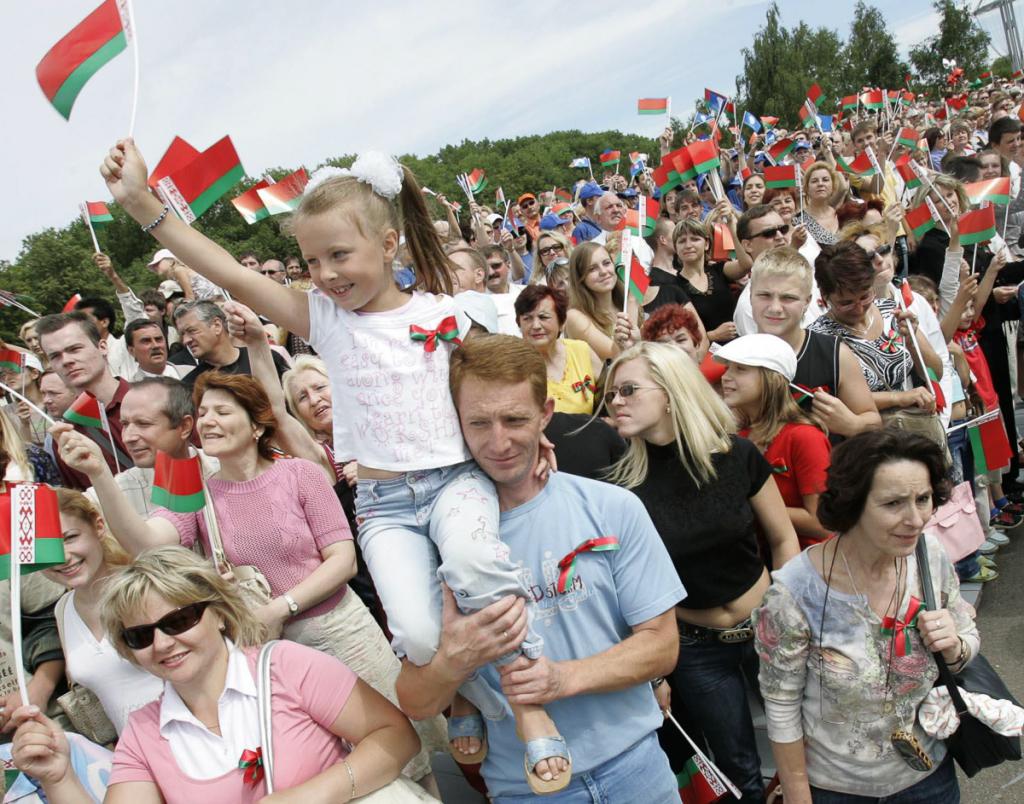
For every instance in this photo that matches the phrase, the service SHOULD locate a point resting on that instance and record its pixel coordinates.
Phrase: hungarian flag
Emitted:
(69, 305)
(284, 196)
(85, 410)
(477, 181)
(874, 99)
(977, 226)
(12, 360)
(638, 280)
(861, 166)
(780, 148)
(250, 205)
(652, 106)
(850, 102)
(910, 178)
(782, 176)
(908, 138)
(920, 220)
(995, 191)
(665, 177)
(74, 59)
(698, 783)
(178, 484)
(194, 188)
(989, 444)
(704, 155)
(178, 154)
(610, 158)
(682, 161)
(30, 524)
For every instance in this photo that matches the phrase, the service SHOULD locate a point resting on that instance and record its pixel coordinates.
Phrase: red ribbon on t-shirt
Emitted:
(251, 763)
(447, 330)
(567, 565)
(897, 628)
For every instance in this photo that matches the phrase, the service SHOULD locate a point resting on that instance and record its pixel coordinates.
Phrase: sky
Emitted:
(295, 83)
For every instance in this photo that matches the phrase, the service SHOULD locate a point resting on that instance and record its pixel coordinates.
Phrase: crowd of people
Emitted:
(485, 495)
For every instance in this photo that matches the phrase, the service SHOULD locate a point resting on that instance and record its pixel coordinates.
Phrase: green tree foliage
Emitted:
(870, 57)
(960, 38)
(54, 264)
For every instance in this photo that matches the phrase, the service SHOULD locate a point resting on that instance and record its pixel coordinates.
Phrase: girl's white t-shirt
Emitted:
(392, 406)
(120, 686)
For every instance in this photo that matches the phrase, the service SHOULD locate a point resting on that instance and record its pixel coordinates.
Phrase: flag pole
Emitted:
(110, 435)
(135, 69)
(28, 402)
(84, 209)
(722, 777)
(626, 250)
(23, 502)
(917, 347)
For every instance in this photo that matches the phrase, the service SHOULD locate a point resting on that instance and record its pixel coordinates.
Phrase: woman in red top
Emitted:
(756, 386)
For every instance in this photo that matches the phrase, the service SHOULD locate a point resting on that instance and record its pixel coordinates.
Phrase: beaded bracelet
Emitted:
(149, 227)
(351, 779)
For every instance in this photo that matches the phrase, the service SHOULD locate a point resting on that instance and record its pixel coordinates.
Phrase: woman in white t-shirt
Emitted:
(91, 660)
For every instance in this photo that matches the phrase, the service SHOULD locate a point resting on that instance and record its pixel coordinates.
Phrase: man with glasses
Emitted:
(531, 214)
(275, 270)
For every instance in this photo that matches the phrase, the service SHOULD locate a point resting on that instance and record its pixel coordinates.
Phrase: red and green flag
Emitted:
(250, 205)
(178, 484)
(178, 154)
(30, 526)
(85, 410)
(71, 62)
(652, 106)
(910, 178)
(769, 121)
(499, 197)
(636, 285)
(907, 98)
(989, 444)
(682, 161)
(704, 154)
(814, 95)
(873, 99)
(977, 226)
(1017, 75)
(610, 158)
(665, 177)
(850, 103)
(995, 191)
(284, 196)
(12, 360)
(861, 166)
(780, 148)
(194, 188)
(920, 220)
(780, 176)
(565, 195)
(99, 214)
(698, 783)
(908, 138)
(652, 210)
(477, 181)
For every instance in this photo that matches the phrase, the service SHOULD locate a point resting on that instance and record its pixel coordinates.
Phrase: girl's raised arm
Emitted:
(125, 173)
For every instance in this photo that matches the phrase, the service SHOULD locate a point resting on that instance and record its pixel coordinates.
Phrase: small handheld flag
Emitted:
(477, 181)
(995, 191)
(610, 158)
(580, 162)
(178, 483)
(920, 220)
(284, 196)
(652, 106)
(977, 226)
(780, 176)
(69, 305)
(194, 188)
(249, 204)
(178, 154)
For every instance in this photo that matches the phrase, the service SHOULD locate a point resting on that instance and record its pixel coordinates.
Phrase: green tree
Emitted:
(870, 56)
(960, 39)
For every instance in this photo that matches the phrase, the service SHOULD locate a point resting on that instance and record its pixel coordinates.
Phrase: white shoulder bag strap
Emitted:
(263, 695)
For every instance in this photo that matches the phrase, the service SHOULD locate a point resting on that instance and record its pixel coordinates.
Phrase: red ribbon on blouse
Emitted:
(897, 628)
(447, 330)
(251, 763)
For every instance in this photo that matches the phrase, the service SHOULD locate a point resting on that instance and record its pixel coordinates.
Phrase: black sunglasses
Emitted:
(177, 622)
(769, 233)
(881, 251)
(626, 390)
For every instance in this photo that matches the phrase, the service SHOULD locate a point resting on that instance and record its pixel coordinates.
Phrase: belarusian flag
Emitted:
(875, 99)
(638, 279)
(908, 138)
(906, 98)
(178, 484)
(178, 154)
(652, 106)
(98, 214)
(977, 226)
(850, 102)
(477, 181)
(910, 177)
(698, 783)
(782, 176)
(193, 189)
(74, 59)
(989, 444)
(808, 114)
(610, 158)
(284, 196)
(36, 533)
(704, 154)
(12, 360)
(769, 121)
(920, 220)
(814, 95)
(249, 204)
(682, 161)
(723, 248)
(957, 102)
(499, 197)
(780, 148)
(632, 219)
(1017, 74)
(665, 177)
(861, 166)
(564, 194)
(995, 191)
(85, 410)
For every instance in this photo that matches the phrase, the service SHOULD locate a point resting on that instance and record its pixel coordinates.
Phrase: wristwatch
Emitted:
(293, 607)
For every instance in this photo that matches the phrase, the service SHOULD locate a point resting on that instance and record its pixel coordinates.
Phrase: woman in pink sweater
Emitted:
(174, 616)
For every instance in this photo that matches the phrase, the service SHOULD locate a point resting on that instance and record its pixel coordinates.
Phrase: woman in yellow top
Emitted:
(573, 368)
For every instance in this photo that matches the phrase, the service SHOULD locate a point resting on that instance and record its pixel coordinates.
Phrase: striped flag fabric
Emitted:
(652, 209)
(850, 103)
(920, 220)
(704, 154)
(39, 539)
(284, 196)
(873, 99)
(477, 180)
(638, 282)
(85, 410)
(499, 197)
(977, 226)
(652, 106)
(96, 213)
(989, 444)
(178, 154)
(906, 172)
(780, 148)
(250, 205)
(12, 360)
(666, 177)
(995, 191)
(908, 138)
(610, 158)
(194, 188)
(80, 53)
(861, 166)
(779, 176)
(178, 484)
(681, 160)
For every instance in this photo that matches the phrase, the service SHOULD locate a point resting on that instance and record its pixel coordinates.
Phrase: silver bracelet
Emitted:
(149, 227)
(351, 779)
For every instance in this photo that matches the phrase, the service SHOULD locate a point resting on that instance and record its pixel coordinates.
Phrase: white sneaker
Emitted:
(998, 538)
(987, 548)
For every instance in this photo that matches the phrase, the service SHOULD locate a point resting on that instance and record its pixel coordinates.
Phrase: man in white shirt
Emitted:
(502, 292)
(148, 347)
(610, 211)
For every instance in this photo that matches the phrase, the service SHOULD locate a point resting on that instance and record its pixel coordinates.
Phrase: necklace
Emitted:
(860, 331)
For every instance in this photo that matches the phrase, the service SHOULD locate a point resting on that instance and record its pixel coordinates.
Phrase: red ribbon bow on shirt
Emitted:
(567, 565)
(897, 628)
(251, 762)
(447, 330)
(586, 384)
(892, 342)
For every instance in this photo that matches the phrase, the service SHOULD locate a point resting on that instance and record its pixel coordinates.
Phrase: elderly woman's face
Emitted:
(895, 511)
(682, 340)
(312, 394)
(183, 658)
(539, 326)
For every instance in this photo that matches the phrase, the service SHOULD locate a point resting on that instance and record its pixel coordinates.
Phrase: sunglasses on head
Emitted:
(775, 230)
(176, 622)
(881, 251)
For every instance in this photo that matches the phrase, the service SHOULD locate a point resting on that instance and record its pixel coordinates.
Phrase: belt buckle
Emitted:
(733, 635)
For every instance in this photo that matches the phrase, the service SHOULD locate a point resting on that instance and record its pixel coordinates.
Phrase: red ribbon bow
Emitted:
(892, 342)
(447, 330)
(586, 384)
(567, 565)
(251, 763)
(897, 628)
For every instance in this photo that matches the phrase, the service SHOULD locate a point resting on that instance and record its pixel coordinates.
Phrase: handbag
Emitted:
(81, 705)
(974, 745)
(956, 523)
(252, 583)
(401, 791)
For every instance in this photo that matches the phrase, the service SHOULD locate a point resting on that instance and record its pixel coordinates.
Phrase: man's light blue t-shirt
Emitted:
(612, 591)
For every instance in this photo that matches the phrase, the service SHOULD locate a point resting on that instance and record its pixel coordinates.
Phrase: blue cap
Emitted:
(802, 145)
(629, 192)
(551, 221)
(590, 190)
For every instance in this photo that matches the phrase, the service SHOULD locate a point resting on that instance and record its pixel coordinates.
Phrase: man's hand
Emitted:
(1004, 294)
(468, 642)
(78, 451)
(533, 682)
(102, 261)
